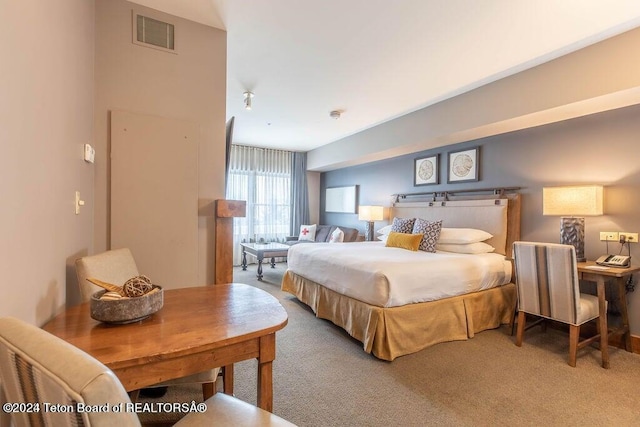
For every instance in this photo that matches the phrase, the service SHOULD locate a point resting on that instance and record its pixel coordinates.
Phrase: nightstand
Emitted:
(592, 272)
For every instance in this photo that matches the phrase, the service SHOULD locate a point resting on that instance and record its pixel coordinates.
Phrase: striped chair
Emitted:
(547, 281)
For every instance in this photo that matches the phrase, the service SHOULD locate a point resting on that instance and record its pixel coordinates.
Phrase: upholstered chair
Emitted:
(37, 367)
(548, 287)
(117, 266)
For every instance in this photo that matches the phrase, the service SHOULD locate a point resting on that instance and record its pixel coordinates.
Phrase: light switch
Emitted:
(79, 202)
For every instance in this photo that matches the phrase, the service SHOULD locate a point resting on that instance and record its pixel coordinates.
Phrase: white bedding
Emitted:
(390, 277)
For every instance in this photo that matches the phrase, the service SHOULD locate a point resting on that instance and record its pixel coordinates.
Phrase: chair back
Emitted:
(547, 280)
(115, 266)
(37, 367)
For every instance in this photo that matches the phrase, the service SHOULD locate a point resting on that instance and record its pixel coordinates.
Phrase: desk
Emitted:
(587, 272)
(260, 250)
(197, 329)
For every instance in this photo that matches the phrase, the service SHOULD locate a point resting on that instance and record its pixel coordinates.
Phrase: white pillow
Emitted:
(337, 236)
(384, 231)
(469, 248)
(383, 238)
(307, 232)
(462, 236)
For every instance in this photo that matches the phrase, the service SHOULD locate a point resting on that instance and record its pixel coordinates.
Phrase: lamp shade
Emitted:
(581, 200)
(370, 213)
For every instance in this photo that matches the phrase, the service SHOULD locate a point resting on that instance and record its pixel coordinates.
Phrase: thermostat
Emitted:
(89, 153)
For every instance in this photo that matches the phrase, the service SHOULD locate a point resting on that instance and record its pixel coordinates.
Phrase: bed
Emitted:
(393, 300)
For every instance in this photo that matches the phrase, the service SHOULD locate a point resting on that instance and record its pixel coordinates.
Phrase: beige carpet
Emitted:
(322, 377)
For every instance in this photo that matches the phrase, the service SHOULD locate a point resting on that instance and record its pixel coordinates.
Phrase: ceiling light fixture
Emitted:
(335, 114)
(247, 100)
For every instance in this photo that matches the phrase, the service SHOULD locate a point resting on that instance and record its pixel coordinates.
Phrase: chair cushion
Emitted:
(115, 266)
(350, 234)
(224, 410)
(323, 233)
(588, 308)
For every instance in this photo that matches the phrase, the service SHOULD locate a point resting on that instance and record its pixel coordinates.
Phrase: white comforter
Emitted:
(389, 277)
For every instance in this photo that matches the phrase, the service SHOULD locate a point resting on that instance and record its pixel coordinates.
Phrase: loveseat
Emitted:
(323, 234)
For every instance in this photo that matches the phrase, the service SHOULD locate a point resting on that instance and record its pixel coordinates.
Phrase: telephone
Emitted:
(614, 260)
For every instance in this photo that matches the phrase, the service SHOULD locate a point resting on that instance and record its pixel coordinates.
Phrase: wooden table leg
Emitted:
(602, 321)
(622, 299)
(265, 372)
(227, 379)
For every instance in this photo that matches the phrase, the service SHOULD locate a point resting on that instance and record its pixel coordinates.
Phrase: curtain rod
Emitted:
(500, 191)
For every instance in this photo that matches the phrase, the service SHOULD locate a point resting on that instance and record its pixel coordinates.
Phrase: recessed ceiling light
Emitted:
(335, 114)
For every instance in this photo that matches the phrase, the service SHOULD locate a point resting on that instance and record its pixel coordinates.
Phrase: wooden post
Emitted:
(226, 210)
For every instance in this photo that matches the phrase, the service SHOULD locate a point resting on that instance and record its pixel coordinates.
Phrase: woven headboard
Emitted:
(498, 215)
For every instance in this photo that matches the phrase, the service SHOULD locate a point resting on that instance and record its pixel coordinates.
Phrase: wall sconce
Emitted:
(569, 202)
(370, 214)
(247, 100)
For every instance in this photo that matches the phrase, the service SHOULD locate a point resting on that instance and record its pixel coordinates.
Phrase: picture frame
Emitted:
(426, 170)
(463, 165)
(341, 199)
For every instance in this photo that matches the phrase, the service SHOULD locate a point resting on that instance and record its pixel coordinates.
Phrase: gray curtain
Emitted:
(299, 193)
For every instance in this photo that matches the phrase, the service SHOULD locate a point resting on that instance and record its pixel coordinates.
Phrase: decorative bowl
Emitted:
(126, 310)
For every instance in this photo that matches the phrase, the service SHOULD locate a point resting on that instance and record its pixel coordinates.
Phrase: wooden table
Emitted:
(592, 272)
(197, 329)
(260, 250)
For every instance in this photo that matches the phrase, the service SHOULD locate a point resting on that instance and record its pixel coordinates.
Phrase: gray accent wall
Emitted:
(602, 148)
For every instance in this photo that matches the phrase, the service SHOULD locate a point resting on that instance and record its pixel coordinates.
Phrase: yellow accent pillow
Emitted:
(404, 241)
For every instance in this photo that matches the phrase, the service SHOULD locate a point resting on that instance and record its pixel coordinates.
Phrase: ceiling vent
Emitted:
(153, 33)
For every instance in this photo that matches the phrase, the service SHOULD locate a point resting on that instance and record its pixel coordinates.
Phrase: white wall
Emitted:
(189, 85)
(46, 116)
(600, 77)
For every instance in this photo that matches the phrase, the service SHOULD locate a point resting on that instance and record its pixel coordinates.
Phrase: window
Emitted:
(262, 177)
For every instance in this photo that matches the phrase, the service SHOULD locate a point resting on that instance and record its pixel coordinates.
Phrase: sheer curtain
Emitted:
(262, 177)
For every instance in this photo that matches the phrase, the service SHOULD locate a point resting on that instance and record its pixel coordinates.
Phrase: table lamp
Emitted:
(573, 203)
(370, 214)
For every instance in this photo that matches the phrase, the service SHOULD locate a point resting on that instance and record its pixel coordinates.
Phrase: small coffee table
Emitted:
(260, 250)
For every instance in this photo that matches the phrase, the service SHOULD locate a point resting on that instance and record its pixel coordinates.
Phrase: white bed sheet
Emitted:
(390, 277)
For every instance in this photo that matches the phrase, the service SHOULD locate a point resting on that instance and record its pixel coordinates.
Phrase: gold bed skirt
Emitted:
(396, 331)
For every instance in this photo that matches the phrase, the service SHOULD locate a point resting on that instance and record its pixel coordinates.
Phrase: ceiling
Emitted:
(375, 60)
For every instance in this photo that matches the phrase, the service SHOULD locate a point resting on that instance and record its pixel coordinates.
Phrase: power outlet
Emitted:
(609, 236)
(629, 237)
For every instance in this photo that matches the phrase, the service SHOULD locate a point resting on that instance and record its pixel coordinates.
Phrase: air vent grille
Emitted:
(154, 32)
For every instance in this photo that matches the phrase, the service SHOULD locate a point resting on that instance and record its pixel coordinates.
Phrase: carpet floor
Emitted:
(322, 377)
